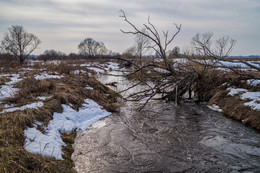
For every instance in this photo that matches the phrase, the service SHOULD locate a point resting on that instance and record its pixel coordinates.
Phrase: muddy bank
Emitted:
(164, 138)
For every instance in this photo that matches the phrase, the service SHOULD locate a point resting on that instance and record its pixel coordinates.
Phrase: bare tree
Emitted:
(172, 78)
(131, 51)
(158, 43)
(220, 49)
(210, 55)
(164, 79)
(19, 42)
(142, 43)
(91, 48)
(176, 51)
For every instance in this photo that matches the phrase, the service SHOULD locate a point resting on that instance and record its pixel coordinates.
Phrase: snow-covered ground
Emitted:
(50, 143)
(112, 65)
(8, 89)
(223, 65)
(106, 66)
(253, 97)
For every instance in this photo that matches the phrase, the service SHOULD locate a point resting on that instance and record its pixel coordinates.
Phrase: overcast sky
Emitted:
(62, 24)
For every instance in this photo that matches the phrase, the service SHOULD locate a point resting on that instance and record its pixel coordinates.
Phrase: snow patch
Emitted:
(8, 90)
(89, 88)
(112, 65)
(50, 143)
(46, 76)
(235, 91)
(78, 72)
(43, 97)
(161, 70)
(215, 107)
(29, 106)
(254, 97)
(98, 70)
(253, 82)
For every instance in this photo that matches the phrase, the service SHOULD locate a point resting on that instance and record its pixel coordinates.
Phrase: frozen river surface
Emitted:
(165, 138)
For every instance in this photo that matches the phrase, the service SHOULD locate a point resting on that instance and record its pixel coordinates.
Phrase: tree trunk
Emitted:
(21, 59)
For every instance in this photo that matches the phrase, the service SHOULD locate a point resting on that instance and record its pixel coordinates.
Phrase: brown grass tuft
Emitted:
(30, 88)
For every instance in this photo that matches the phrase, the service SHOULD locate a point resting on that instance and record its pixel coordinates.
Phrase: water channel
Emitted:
(166, 138)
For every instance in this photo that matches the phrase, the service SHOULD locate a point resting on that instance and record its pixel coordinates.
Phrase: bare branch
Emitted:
(19, 42)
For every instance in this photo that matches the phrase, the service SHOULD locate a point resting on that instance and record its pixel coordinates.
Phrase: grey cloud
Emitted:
(66, 22)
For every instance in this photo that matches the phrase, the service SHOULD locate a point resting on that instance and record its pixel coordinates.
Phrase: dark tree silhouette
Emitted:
(19, 42)
(91, 48)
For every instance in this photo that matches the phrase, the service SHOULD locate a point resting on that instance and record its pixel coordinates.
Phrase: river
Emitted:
(166, 138)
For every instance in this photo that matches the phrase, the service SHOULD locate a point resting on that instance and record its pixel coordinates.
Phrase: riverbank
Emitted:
(245, 110)
(43, 105)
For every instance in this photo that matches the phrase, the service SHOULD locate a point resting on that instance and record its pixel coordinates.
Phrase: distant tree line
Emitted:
(19, 44)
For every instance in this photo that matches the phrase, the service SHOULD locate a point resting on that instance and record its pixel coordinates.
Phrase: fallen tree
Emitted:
(173, 76)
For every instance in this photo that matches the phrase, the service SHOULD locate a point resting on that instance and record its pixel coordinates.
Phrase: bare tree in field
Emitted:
(218, 50)
(142, 43)
(19, 42)
(91, 48)
(176, 51)
(210, 55)
(158, 43)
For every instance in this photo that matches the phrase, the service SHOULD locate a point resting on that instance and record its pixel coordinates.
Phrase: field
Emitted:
(44, 104)
(32, 95)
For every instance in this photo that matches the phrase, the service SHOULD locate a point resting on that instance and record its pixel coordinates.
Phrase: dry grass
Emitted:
(3, 80)
(30, 88)
(71, 90)
(209, 84)
(233, 107)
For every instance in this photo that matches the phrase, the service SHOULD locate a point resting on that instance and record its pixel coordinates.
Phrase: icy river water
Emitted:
(166, 138)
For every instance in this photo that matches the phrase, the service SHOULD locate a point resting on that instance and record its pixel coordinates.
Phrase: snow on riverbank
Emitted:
(29, 106)
(50, 143)
(253, 82)
(253, 97)
(215, 107)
